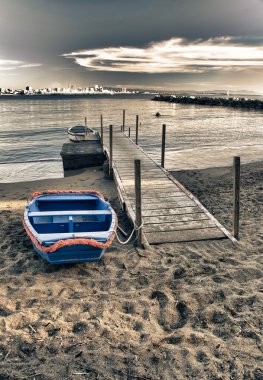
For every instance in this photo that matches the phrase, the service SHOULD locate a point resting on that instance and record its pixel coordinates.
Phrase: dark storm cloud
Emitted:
(38, 27)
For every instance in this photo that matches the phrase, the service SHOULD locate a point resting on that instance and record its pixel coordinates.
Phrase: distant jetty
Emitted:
(254, 104)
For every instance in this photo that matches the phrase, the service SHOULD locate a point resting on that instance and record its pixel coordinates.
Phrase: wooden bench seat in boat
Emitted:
(68, 213)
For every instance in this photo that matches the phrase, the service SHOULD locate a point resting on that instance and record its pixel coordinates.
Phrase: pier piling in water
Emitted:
(123, 120)
(163, 145)
(111, 151)
(137, 128)
(101, 130)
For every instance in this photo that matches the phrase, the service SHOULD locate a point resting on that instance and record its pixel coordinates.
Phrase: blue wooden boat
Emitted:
(70, 226)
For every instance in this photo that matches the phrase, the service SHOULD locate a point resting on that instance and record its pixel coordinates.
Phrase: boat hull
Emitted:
(80, 133)
(70, 227)
(80, 138)
(72, 255)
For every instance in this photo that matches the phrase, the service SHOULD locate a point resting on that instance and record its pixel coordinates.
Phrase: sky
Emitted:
(169, 45)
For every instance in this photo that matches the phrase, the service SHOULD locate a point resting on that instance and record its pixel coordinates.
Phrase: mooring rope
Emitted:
(135, 228)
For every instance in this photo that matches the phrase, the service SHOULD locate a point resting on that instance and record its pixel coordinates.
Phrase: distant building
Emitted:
(67, 90)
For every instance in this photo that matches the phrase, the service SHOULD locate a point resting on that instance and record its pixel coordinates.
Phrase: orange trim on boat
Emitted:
(37, 193)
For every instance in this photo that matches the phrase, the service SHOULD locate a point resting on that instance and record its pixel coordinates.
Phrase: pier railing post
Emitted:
(236, 164)
(111, 152)
(137, 128)
(101, 130)
(163, 145)
(129, 132)
(138, 200)
(123, 120)
(86, 130)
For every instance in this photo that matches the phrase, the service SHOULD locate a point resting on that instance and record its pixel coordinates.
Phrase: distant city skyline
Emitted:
(150, 44)
(111, 90)
(29, 90)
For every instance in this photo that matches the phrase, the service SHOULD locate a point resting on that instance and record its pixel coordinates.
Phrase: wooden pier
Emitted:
(170, 213)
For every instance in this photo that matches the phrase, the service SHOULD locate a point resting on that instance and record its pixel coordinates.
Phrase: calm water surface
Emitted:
(33, 129)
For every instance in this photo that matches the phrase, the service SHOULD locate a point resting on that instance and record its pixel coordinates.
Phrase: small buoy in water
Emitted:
(157, 114)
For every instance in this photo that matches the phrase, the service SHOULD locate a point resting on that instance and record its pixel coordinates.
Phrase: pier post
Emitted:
(101, 130)
(138, 200)
(129, 132)
(163, 145)
(111, 152)
(123, 120)
(236, 164)
(86, 130)
(137, 127)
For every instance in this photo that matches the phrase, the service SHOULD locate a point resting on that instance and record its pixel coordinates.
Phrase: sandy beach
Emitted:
(179, 311)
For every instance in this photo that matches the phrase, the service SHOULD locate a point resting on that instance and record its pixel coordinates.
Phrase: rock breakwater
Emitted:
(254, 104)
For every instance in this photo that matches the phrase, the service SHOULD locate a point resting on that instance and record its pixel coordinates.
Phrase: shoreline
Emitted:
(68, 96)
(15, 194)
(185, 310)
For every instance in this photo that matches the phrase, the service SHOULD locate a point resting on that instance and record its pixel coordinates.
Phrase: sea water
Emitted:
(34, 128)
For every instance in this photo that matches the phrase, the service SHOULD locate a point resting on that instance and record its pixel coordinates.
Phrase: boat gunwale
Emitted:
(86, 131)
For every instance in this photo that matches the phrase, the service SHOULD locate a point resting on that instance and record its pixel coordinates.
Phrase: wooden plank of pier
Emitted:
(170, 212)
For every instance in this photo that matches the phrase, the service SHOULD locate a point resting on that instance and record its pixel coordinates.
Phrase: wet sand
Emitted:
(181, 311)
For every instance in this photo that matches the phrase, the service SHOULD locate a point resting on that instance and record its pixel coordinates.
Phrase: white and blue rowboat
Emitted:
(70, 226)
(80, 133)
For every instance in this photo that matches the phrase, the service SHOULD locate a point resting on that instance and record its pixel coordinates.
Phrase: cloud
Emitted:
(9, 64)
(176, 55)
